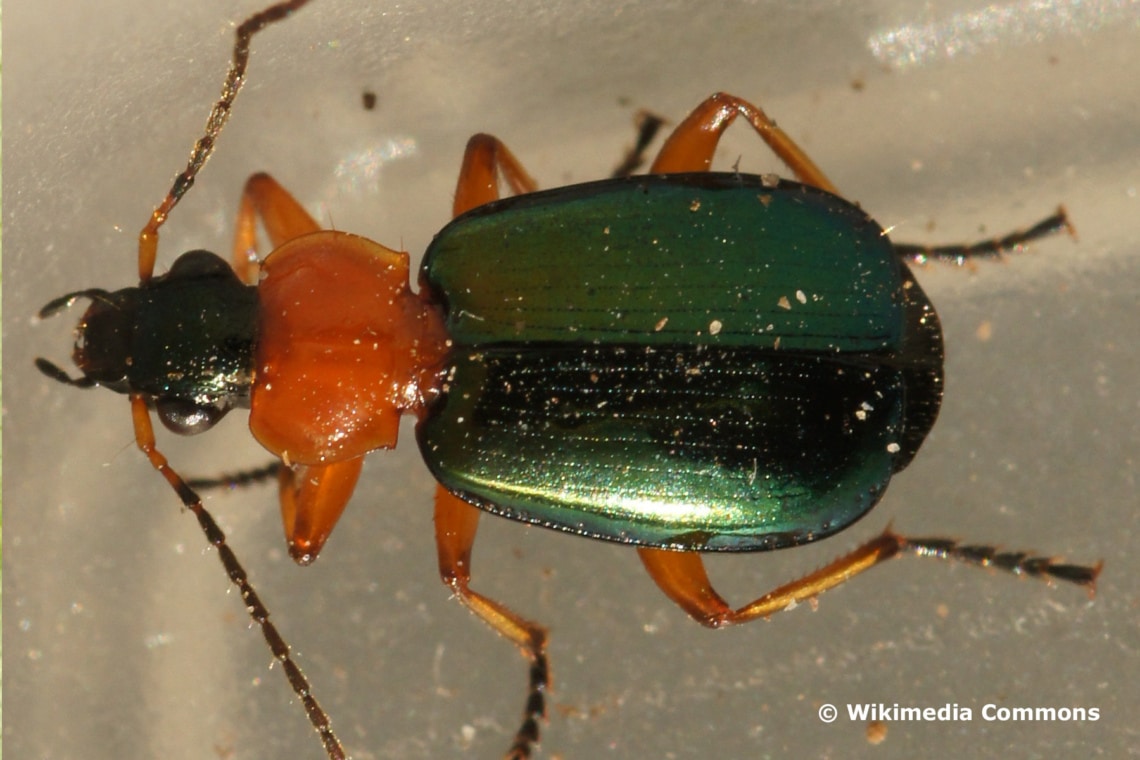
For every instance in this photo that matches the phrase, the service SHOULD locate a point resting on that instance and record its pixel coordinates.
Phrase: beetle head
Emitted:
(183, 341)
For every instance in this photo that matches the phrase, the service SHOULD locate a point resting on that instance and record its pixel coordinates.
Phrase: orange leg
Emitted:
(313, 498)
(456, 522)
(681, 575)
(484, 161)
(691, 146)
(280, 213)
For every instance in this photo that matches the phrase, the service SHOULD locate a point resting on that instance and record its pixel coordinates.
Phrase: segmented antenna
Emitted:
(219, 115)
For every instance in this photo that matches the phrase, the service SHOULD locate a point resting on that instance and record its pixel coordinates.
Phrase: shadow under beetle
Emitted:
(687, 361)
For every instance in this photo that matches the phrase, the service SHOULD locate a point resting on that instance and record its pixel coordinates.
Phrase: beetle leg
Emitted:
(455, 524)
(691, 146)
(280, 213)
(682, 576)
(144, 439)
(484, 161)
(991, 247)
(648, 124)
(240, 478)
(313, 497)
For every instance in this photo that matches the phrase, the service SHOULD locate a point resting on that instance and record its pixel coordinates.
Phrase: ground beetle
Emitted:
(685, 361)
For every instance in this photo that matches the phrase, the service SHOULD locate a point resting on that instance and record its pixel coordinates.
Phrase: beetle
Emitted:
(687, 361)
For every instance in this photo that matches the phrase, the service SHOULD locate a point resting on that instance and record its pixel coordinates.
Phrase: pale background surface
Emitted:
(120, 637)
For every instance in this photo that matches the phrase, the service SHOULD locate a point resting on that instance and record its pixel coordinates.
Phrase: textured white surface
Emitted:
(120, 637)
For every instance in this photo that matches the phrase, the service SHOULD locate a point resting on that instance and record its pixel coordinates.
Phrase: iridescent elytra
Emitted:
(671, 396)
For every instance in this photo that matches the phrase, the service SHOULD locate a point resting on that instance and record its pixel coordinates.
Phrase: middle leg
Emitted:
(455, 524)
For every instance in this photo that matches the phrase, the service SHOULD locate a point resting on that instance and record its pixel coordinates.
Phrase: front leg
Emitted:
(283, 217)
(313, 497)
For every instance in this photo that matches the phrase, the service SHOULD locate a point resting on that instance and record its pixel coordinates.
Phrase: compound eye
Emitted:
(188, 417)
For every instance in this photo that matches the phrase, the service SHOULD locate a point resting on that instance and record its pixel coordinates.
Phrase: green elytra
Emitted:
(702, 361)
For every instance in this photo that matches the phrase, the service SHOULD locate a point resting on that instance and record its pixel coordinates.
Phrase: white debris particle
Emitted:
(894, 448)
(801, 297)
(715, 326)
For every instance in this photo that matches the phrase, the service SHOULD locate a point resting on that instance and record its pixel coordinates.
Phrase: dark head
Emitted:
(183, 340)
